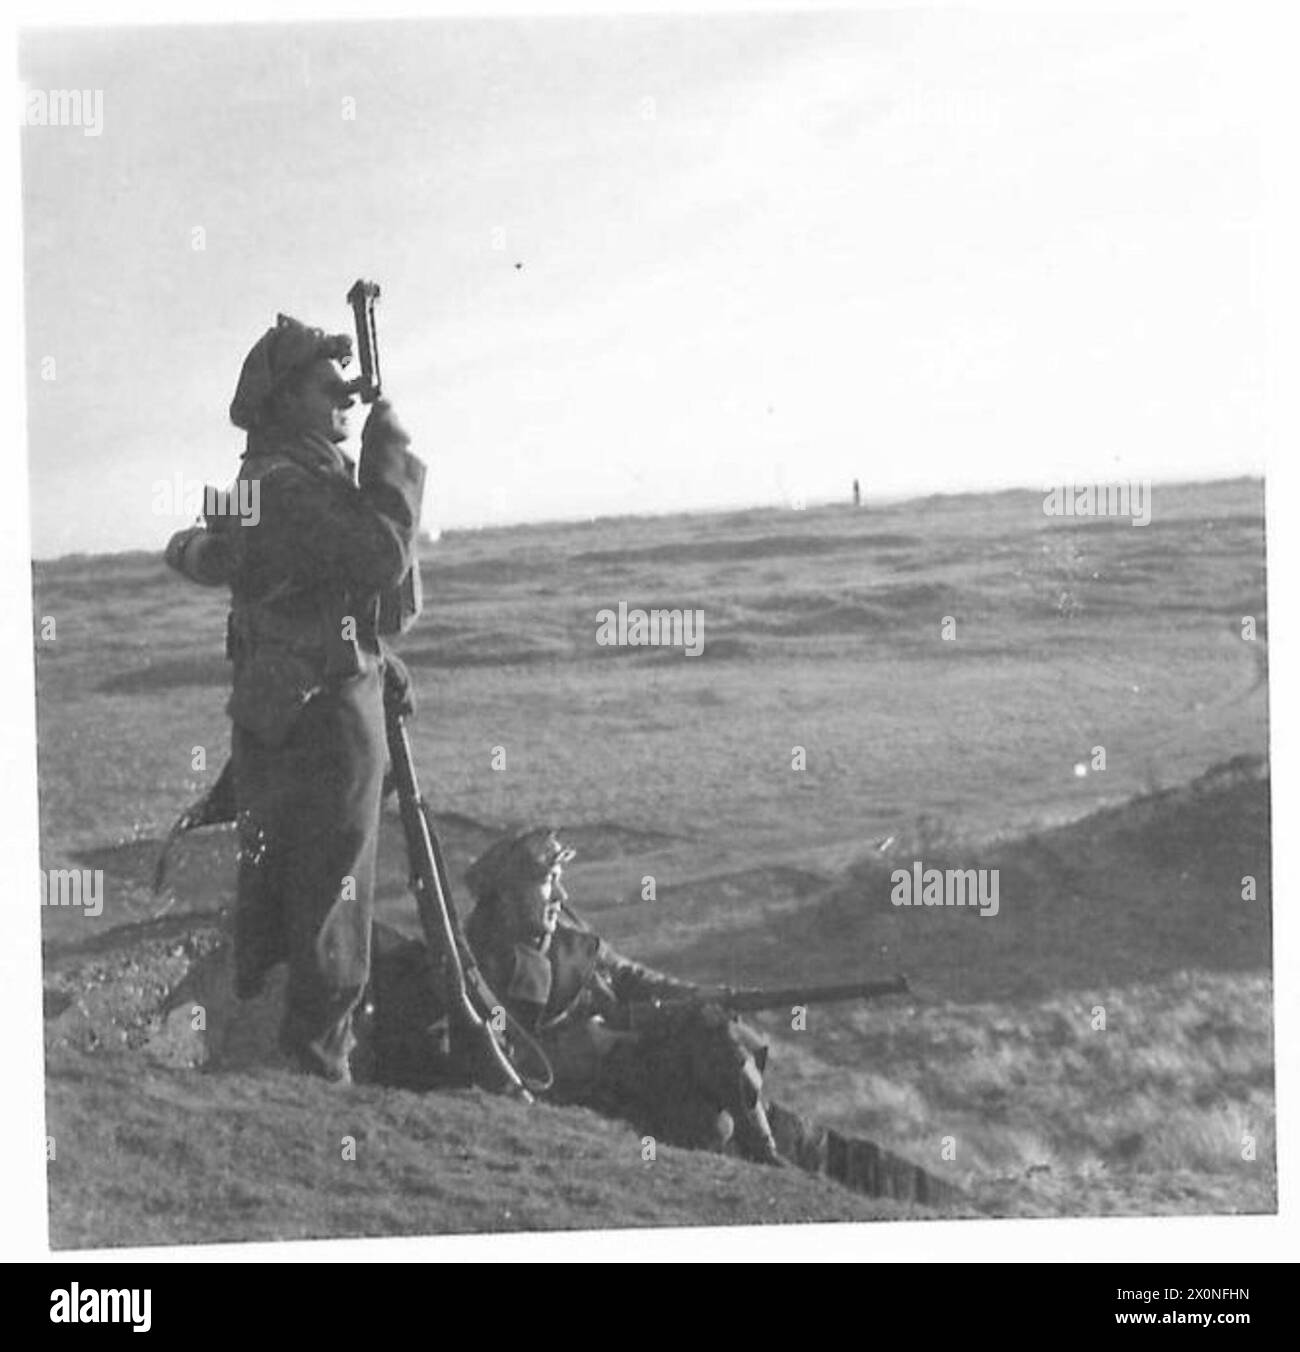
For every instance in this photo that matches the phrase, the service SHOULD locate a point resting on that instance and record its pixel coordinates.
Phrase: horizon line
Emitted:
(721, 509)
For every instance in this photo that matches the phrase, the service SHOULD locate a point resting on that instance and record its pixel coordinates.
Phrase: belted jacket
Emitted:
(321, 569)
(571, 975)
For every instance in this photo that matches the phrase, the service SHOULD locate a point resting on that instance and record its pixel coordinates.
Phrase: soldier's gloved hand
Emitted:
(399, 694)
(175, 555)
(224, 516)
(382, 425)
(200, 556)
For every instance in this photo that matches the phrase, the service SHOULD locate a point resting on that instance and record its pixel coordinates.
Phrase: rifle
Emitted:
(745, 999)
(471, 1003)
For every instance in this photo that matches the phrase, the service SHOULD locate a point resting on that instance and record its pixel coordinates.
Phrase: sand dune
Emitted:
(753, 787)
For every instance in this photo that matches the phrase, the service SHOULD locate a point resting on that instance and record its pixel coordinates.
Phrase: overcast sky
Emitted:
(760, 255)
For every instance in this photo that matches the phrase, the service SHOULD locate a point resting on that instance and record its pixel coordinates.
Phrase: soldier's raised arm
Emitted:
(318, 528)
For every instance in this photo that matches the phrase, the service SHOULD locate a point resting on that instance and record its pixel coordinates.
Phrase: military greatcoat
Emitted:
(308, 741)
(316, 583)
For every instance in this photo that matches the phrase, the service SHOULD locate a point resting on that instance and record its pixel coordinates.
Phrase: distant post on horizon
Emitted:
(857, 494)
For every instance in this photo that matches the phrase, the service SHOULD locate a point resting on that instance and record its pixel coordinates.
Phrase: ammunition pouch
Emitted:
(286, 648)
(309, 626)
(530, 977)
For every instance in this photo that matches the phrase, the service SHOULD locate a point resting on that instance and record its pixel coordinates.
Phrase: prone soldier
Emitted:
(619, 1036)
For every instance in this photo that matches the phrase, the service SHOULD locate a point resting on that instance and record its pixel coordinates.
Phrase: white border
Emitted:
(23, 1233)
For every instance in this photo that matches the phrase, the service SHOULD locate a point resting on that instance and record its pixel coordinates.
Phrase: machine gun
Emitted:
(746, 999)
(667, 1013)
(749, 999)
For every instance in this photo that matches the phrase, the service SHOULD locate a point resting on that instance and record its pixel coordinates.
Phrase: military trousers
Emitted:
(308, 822)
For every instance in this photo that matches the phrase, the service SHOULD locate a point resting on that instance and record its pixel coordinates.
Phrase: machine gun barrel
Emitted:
(742, 1000)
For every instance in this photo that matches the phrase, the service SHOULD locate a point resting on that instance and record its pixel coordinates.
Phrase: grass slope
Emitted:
(147, 1156)
(1120, 888)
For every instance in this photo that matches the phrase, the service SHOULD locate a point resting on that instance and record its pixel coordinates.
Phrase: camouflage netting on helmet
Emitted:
(524, 860)
(278, 355)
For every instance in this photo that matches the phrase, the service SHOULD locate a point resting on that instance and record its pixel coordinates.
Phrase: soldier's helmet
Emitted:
(281, 352)
(518, 876)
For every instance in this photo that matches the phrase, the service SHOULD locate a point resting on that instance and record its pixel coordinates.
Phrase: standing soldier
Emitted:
(319, 574)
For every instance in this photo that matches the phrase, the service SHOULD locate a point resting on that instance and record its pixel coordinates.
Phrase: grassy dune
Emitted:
(146, 1156)
(822, 631)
